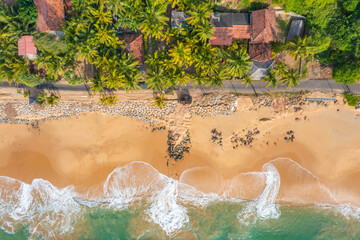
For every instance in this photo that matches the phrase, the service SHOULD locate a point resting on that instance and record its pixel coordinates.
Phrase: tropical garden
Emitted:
(173, 56)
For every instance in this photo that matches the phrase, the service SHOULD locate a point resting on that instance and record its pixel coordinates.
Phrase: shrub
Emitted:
(28, 79)
(347, 73)
(351, 99)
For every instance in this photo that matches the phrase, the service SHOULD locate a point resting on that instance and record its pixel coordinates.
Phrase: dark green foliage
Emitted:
(48, 43)
(73, 79)
(351, 99)
(334, 26)
(258, 5)
(347, 73)
(28, 79)
(27, 11)
(350, 5)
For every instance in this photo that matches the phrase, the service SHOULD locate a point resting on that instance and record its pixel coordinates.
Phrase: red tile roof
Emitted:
(222, 36)
(51, 15)
(134, 43)
(260, 51)
(241, 32)
(26, 46)
(263, 25)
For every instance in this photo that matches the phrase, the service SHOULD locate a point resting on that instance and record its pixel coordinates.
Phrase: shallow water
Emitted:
(154, 206)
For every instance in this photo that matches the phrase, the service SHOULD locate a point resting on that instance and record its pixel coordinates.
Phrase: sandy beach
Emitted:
(314, 147)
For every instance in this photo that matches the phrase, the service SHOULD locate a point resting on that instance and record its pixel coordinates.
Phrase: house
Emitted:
(178, 19)
(297, 28)
(134, 43)
(229, 27)
(263, 32)
(51, 16)
(26, 47)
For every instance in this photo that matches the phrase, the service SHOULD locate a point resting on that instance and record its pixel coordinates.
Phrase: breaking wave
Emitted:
(52, 212)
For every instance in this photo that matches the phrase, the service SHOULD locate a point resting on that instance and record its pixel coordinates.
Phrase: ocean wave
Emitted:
(264, 206)
(52, 212)
(47, 210)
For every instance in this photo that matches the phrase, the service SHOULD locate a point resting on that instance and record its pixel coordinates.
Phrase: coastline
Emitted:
(83, 150)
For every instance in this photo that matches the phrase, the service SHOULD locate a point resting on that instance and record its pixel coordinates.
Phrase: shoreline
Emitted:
(82, 150)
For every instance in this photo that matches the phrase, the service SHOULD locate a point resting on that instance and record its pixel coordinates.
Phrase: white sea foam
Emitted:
(52, 212)
(165, 209)
(47, 210)
(264, 206)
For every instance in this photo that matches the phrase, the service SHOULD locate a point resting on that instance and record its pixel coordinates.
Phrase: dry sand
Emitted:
(321, 165)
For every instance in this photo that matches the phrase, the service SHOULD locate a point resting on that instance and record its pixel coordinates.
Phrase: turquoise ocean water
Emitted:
(157, 207)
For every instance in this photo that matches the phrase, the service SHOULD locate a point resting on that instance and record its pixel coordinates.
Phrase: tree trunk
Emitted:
(254, 90)
(299, 65)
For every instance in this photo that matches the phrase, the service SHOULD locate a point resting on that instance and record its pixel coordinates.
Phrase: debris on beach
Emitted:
(237, 140)
(216, 137)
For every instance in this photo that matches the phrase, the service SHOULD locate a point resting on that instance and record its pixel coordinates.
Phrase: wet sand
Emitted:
(82, 151)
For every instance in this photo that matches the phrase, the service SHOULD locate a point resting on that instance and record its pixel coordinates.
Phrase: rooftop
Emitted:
(260, 51)
(263, 26)
(26, 47)
(51, 15)
(230, 26)
(134, 43)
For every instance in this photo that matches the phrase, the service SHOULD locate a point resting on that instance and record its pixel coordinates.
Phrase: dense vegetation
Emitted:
(173, 56)
(335, 25)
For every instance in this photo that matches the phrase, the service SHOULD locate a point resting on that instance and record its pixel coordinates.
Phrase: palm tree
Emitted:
(204, 32)
(97, 84)
(156, 79)
(41, 98)
(280, 69)
(160, 100)
(248, 80)
(52, 99)
(181, 54)
(301, 48)
(237, 63)
(153, 19)
(290, 79)
(271, 80)
(199, 15)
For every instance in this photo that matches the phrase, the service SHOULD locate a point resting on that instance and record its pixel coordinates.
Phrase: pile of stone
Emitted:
(140, 110)
(263, 101)
(213, 105)
(290, 136)
(246, 140)
(216, 137)
(161, 128)
(176, 150)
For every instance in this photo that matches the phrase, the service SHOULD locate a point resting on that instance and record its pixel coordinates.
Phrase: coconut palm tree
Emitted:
(181, 54)
(41, 98)
(153, 19)
(237, 63)
(247, 79)
(97, 84)
(301, 48)
(200, 15)
(204, 32)
(280, 69)
(290, 79)
(52, 99)
(156, 79)
(160, 100)
(271, 80)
